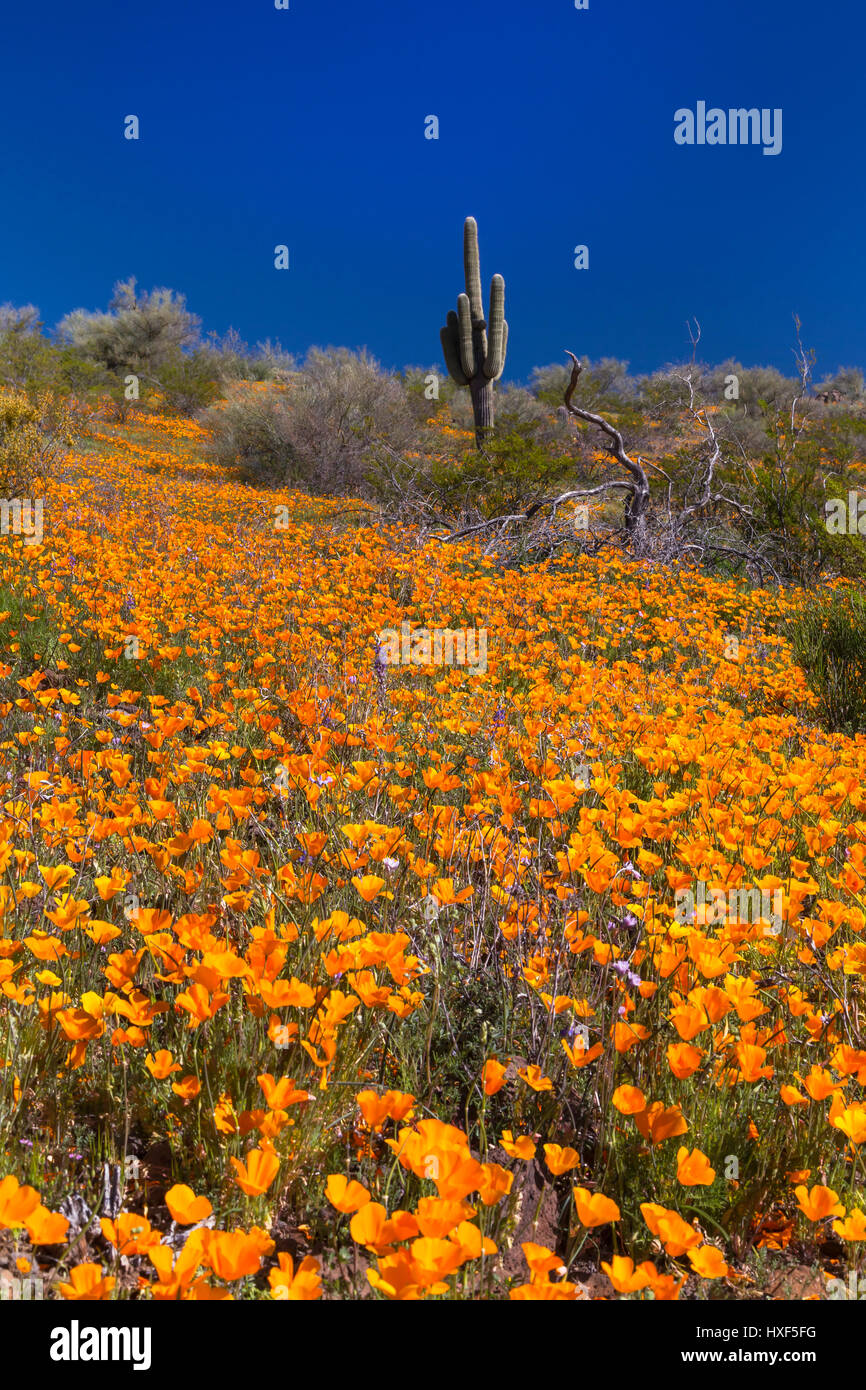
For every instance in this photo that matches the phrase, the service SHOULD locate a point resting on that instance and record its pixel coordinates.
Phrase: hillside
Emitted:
(373, 973)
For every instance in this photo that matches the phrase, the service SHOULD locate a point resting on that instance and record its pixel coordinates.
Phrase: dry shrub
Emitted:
(33, 429)
(314, 431)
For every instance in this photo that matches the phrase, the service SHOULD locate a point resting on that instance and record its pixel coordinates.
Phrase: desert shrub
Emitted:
(22, 320)
(517, 467)
(605, 384)
(73, 374)
(139, 334)
(716, 381)
(153, 337)
(32, 431)
(189, 383)
(251, 432)
(269, 361)
(344, 402)
(460, 410)
(787, 491)
(31, 362)
(416, 382)
(848, 381)
(665, 392)
(761, 391)
(24, 352)
(27, 360)
(232, 359)
(522, 462)
(765, 391)
(318, 431)
(829, 642)
(516, 407)
(840, 432)
(746, 433)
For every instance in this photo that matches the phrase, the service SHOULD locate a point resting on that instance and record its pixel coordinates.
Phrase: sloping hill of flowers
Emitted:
(328, 972)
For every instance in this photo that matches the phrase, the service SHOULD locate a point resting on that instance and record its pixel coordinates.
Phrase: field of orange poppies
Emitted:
(329, 977)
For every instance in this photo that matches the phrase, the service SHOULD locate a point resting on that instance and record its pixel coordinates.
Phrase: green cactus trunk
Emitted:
(481, 391)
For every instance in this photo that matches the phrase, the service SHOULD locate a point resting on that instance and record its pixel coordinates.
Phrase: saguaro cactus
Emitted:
(471, 359)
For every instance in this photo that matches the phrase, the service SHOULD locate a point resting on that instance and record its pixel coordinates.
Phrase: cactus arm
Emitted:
(504, 347)
(472, 267)
(451, 348)
(494, 361)
(467, 353)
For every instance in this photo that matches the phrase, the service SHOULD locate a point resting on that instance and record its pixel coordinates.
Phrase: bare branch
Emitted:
(638, 502)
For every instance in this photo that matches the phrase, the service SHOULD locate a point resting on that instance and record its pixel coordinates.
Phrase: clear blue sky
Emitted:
(306, 127)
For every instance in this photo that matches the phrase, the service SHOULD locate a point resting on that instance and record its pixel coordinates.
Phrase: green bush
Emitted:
(518, 467)
(829, 642)
(189, 382)
(30, 362)
(418, 382)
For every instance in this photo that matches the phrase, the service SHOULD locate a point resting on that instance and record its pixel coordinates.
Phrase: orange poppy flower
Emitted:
(541, 1260)
(560, 1160)
(534, 1077)
(693, 1169)
(236, 1254)
(185, 1208)
(628, 1100)
(46, 1227)
(818, 1203)
(129, 1233)
(256, 1175)
(658, 1122)
(161, 1065)
(188, 1087)
(494, 1184)
(438, 1217)
(433, 1260)
(521, 1147)
(279, 1094)
(369, 886)
(683, 1059)
(676, 1235)
(594, 1209)
(708, 1262)
(86, 1282)
(493, 1075)
(346, 1196)
(367, 1226)
(625, 1278)
(305, 1285)
(852, 1229)
(16, 1203)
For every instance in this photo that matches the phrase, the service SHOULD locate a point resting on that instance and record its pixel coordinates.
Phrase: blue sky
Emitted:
(306, 127)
